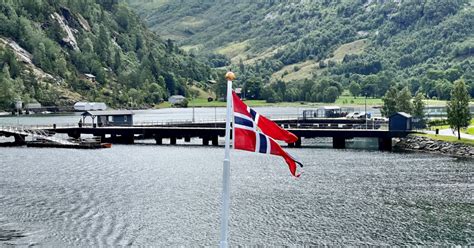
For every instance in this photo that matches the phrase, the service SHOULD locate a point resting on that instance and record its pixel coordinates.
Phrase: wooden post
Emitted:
(187, 139)
(385, 144)
(173, 141)
(338, 143)
(19, 140)
(129, 139)
(298, 143)
(205, 141)
(215, 141)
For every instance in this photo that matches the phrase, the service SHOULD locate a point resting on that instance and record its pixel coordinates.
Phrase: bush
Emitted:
(438, 122)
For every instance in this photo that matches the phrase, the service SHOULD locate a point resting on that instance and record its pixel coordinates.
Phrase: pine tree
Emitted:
(459, 115)
(7, 91)
(418, 110)
(404, 101)
(390, 102)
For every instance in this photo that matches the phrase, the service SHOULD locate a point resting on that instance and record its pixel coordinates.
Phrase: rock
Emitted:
(435, 146)
(70, 40)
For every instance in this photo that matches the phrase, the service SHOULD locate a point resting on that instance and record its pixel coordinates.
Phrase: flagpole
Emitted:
(226, 168)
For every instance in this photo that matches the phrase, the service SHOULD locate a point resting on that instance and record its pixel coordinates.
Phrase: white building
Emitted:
(176, 99)
(34, 105)
(87, 106)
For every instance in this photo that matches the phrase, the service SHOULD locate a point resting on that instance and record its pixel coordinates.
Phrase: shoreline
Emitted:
(432, 146)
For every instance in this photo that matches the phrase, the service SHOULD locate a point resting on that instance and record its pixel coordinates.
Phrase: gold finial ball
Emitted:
(230, 76)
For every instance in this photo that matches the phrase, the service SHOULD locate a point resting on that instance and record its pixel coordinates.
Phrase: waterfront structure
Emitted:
(109, 118)
(87, 106)
(400, 121)
(176, 99)
(35, 105)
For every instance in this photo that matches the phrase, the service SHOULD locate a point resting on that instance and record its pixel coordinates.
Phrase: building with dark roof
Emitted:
(109, 118)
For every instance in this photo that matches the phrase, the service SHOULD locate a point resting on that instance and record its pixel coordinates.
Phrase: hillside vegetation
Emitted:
(47, 48)
(318, 48)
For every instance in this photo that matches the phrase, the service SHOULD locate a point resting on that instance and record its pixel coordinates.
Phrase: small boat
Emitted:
(106, 145)
(71, 146)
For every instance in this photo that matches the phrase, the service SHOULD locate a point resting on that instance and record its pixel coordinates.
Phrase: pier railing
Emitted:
(35, 134)
(296, 123)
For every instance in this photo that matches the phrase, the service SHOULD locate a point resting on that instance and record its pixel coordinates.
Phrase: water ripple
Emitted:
(170, 196)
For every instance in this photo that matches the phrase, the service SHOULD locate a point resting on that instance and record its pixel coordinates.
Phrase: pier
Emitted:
(338, 129)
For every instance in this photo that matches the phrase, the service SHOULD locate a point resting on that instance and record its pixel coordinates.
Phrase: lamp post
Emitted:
(365, 111)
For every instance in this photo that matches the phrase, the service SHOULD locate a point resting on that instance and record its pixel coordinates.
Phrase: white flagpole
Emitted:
(226, 172)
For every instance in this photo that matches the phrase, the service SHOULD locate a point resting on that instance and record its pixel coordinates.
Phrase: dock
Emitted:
(338, 129)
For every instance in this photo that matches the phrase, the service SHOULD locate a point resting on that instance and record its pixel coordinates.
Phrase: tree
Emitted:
(404, 101)
(418, 110)
(459, 115)
(7, 92)
(330, 94)
(389, 102)
(354, 88)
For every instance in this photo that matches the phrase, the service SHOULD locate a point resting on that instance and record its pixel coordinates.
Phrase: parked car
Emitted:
(357, 115)
(352, 115)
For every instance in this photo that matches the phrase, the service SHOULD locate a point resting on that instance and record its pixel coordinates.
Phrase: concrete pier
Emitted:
(210, 135)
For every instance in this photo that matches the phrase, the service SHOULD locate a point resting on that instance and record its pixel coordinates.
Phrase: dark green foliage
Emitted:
(354, 88)
(405, 40)
(131, 64)
(459, 115)
(396, 100)
(418, 111)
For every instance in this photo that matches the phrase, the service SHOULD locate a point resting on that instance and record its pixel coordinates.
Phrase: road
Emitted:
(450, 132)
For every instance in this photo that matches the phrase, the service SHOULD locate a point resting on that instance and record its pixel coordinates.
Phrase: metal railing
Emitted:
(35, 134)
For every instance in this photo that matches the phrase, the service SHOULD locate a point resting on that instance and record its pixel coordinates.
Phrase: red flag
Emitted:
(265, 125)
(246, 137)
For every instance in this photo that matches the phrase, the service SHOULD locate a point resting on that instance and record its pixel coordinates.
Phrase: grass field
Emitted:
(350, 100)
(202, 102)
(234, 49)
(452, 139)
(344, 100)
(470, 130)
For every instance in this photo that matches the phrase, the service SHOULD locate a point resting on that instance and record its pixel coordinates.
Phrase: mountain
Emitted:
(59, 52)
(313, 50)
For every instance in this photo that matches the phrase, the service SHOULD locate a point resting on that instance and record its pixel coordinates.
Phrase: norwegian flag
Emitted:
(265, 125)
(256, 133)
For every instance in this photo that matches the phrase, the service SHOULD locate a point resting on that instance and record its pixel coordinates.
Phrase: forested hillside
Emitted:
(313, 50)
(47, 47)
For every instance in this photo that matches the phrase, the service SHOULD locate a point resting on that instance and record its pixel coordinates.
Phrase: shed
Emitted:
(176, 99)
(110, 118)
(400, 121)
(34, 105)
(90, 77)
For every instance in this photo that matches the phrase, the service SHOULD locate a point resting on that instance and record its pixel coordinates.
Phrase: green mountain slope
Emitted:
(423, 44)
(48, 47)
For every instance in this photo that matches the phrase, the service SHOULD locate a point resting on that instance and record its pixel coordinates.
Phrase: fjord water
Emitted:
(148, 195)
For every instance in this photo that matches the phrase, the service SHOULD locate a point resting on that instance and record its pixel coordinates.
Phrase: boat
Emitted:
(43, 144)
